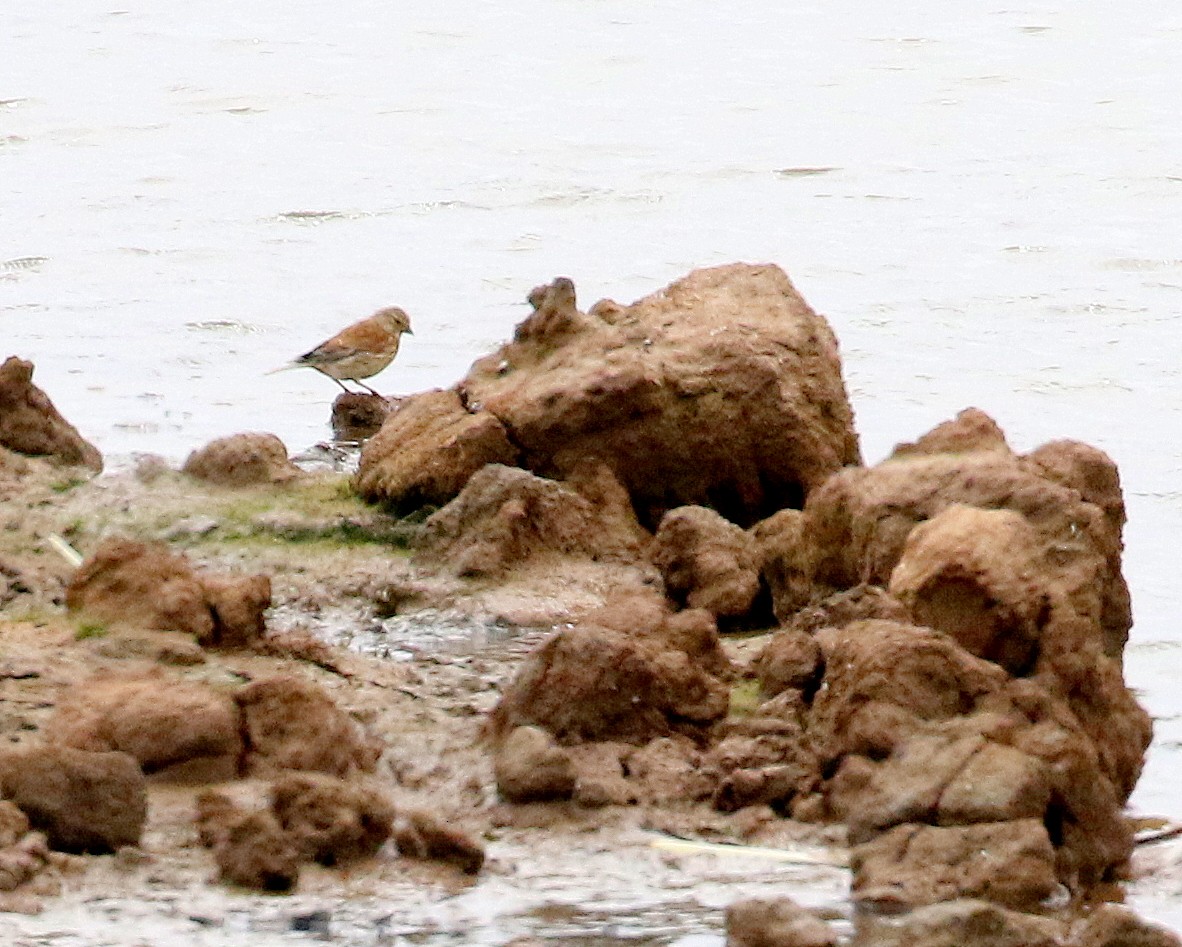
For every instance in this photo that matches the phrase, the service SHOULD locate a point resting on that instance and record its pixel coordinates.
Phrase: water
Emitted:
(983, 199)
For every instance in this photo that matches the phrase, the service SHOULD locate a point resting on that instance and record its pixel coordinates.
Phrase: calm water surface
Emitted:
(982, 198)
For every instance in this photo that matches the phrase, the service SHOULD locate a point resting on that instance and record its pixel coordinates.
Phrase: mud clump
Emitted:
(330, 820)
(706, 561)
(143, 584)
(30, 424)
(294, 724)
(170, 726)
(357, 417)
(423, 835)
(531, 767)
(250, 848)
(242, 460)
(779, 922)
(82, 801)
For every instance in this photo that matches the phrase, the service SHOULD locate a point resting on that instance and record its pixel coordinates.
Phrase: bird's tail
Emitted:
(284, 368)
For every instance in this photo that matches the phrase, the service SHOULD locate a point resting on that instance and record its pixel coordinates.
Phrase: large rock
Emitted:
(30, 424)
(144, 584)
(82, 801)
(862, 517)
(242, 460)
(293, 724)
(427, 449)
(505, 517)
(706, 561)
(166, 723)
(722, 390)
(961, 923)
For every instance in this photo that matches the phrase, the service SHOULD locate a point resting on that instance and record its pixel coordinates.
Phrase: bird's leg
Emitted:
(366, 387)
(342, 384)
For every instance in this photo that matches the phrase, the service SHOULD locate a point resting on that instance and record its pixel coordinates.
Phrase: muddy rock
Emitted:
(358, 417)
(169, 725)
(1010, 863)
(860, 603)
(588, 682)
(427, 450)
(862, 517)
(1111, 925)
(790, 659)
(785, 553)
(668, 770)
(722, 390)
(82, 801)
(971, 431)
(291, 723)
(250, 847)
(706, 561)
(22, 859)
(144, 584)
(975, 575)
(531, 767)
(331, 820)
(505, 517)
(30, 424)
(965, 921)
(242, 460)
(599, 775)
(420, 834)
(779, 922)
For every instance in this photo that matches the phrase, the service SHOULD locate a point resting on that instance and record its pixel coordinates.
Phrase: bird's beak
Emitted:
(409, 331)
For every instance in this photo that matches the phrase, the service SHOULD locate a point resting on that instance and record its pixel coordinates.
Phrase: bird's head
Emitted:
(394, 320)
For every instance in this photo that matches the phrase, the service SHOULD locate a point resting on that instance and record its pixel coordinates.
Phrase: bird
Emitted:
(357, 351)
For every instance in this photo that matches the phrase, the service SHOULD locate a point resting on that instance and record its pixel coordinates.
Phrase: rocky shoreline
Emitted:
(681, 605)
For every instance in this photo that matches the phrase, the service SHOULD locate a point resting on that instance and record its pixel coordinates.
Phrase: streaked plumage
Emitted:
(358, 351)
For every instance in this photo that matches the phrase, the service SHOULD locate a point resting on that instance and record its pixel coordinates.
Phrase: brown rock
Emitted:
(785, 552)
(667, 770)
(30, 424)
(790, 659)
(164, 722)
(331, 820)
(593, 683)
(1010, 863)
(775, 922)
(722, 390)
(1112, 925)
(599, 775)
(975, 575)
(242, 460)
(506, 516)
(83, 802)
(22, 860)
(706, 561)
(424, 835)
(293, 724)
(971, 431)
(428, 448)
(14, 824)
(249, 846)
(531, 767)
(357, 417)
(127, 582)
(959, 923)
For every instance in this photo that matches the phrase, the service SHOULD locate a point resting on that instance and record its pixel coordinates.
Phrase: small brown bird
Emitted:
(359, 351)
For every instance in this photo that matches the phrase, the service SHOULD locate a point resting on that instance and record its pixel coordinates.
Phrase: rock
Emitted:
(505, 517)
(428, 448)
(30, 424)
(423, 835)
(722, 390)
(167, 724)
(249, 846)
(1010, 863)
(242, 460)
(293, 724)
(859, 603)
(82, 801)
(785, 555)
(861, 519)
(1112, 925)
(790, 659)
(588, 682)
(14, 824)
(971, 431)
(975, 575)
(143, 584)
(357, 417)
(331, 820)
(531, 767)
(599, 775)
(775, 922)
(965, 921)
(706, 561)
(23, 860)
(667, 770)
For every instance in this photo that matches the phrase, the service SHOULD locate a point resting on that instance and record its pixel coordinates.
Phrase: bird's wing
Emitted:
(362, 337)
